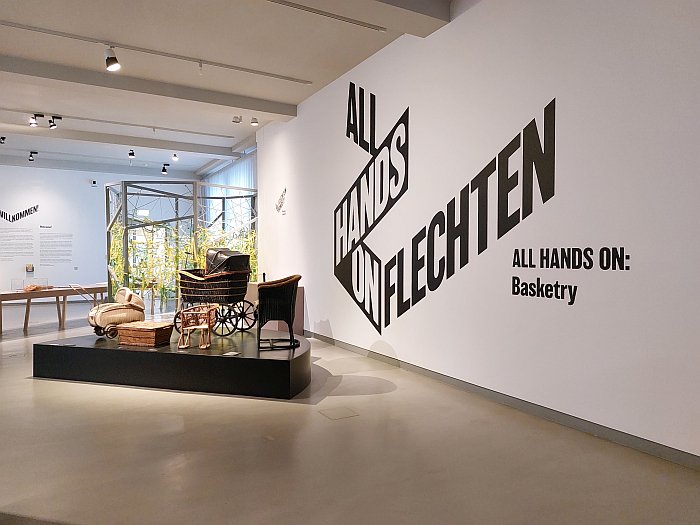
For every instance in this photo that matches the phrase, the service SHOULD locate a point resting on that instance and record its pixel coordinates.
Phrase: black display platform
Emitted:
(270, 373)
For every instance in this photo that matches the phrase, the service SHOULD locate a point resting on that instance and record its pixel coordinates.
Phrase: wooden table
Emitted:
(58, 293)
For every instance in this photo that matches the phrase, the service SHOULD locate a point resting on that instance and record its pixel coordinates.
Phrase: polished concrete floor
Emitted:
(365, 443)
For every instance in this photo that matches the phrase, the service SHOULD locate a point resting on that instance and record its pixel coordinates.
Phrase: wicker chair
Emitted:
(276, 301)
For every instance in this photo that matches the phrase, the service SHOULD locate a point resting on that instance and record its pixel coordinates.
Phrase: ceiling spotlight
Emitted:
(164, 171)
(31, 155)
(111, 62)
(254, 121)
(2, 140)
(32, 120)
(237, 120)
(174, 157)
(52, 122)
(132, 155)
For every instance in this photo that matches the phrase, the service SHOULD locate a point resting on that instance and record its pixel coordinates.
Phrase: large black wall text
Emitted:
(378, 289)
(19, 215)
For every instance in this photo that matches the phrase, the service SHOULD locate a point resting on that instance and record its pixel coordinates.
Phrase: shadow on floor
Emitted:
(39, 329)
(324, 384)
(343, 380)
(14, 519)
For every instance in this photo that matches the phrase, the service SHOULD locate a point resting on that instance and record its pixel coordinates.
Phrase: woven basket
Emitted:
(222, 288)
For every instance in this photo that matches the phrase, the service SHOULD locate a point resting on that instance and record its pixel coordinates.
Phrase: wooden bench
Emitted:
(58, 294)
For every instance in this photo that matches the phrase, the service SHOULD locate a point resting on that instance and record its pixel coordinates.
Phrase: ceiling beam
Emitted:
(88, 77)
(96, 167)
(64, 117)
(122, 140)
(414, 17)
(211, 167)
(439, 9)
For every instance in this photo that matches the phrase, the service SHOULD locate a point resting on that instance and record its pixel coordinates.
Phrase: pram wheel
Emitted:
(226, 319)
(99, 332)
(245, 315)
(111, 331)
(177, 321)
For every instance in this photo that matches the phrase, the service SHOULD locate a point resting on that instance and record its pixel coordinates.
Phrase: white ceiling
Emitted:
(157, 104)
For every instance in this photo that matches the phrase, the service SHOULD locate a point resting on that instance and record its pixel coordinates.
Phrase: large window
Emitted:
(229, 206)
(241, 173)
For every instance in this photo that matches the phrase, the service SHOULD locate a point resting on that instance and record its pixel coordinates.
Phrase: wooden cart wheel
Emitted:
(177, 320)
(245, 315)
(225, 321)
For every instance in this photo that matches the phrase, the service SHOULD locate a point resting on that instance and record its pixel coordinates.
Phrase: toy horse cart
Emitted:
(224, 281)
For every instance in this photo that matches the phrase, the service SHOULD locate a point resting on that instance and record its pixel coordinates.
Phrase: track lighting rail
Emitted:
(117, 45)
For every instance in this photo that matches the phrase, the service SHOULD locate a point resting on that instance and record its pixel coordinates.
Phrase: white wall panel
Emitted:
(625, 78)
(68, 204)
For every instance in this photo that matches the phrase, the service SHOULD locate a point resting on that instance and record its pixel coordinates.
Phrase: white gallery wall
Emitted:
(622, 352)
(65, 237)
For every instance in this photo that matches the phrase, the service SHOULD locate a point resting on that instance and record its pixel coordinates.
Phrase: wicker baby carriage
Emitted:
(223, 282)
(105, 317)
